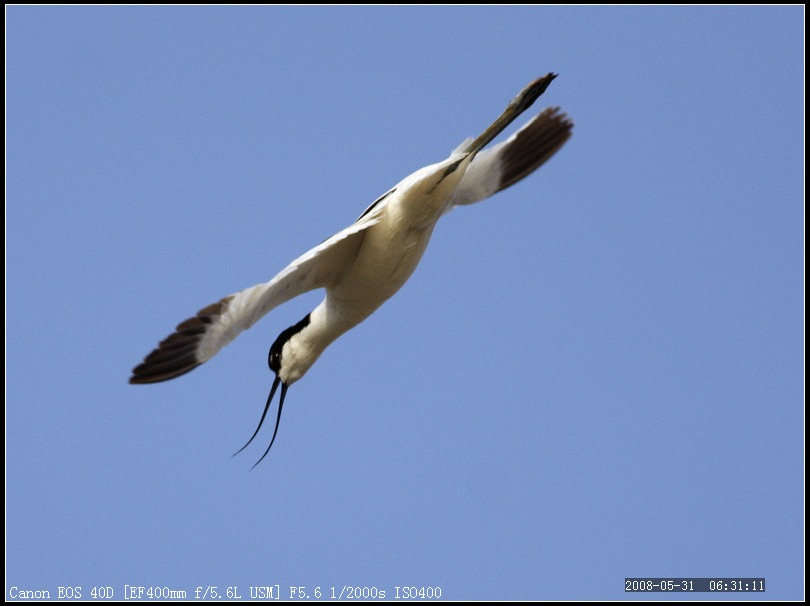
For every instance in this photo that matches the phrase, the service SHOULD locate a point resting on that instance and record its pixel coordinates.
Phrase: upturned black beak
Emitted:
(284, 386)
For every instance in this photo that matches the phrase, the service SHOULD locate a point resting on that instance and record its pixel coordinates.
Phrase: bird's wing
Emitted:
(508, 162)
(197, 339)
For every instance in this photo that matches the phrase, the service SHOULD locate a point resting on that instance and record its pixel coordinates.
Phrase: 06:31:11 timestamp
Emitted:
(693, 584)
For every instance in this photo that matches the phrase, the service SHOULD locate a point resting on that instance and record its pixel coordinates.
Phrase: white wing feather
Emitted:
(501, 165)
(199, 338)
(317, 268)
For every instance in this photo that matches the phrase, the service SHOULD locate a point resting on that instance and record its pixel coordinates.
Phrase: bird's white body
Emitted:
(390, 250)
(363, 265)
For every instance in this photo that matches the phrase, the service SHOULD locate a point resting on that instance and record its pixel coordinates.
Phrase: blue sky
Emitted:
(594, 375)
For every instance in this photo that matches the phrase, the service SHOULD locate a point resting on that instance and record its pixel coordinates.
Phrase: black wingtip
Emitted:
(533, 145)
(177, 354)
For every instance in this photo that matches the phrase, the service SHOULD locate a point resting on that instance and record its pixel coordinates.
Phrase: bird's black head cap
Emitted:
(274, 355)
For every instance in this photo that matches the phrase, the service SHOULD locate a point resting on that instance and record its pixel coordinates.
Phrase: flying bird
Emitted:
(363, 265)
